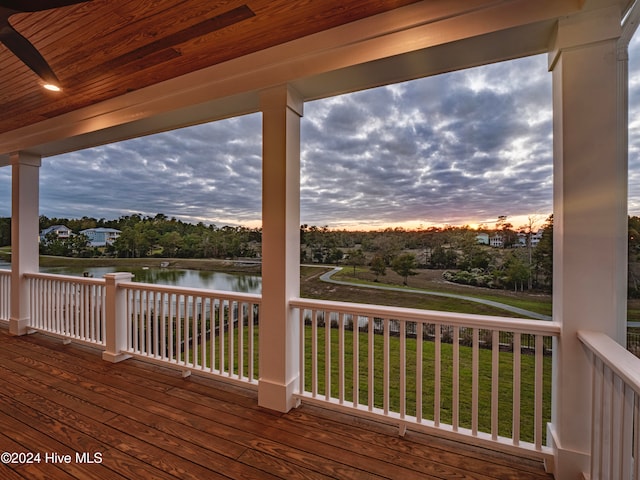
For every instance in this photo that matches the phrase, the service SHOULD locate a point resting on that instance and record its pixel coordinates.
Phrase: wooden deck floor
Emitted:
(141, 421)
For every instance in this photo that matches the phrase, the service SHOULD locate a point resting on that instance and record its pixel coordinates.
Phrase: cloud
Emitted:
(5, 192)
(209, 173)
(634, 126)
(446, 149)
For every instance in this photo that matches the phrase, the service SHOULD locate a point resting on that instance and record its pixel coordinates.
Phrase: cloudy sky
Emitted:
(460, 148)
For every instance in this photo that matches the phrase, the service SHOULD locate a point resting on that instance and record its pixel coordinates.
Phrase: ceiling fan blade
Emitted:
(22, 48)
(37, 5)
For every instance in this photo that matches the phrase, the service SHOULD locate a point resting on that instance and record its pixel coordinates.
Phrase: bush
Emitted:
(475, 276)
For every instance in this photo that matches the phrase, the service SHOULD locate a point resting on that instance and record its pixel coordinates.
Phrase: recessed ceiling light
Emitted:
(52, 87)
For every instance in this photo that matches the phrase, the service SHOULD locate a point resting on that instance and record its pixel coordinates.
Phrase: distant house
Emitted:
(482, 238)
(62, 232)
(522, 240)
(101, 237)
(536, 237)
(496, 241)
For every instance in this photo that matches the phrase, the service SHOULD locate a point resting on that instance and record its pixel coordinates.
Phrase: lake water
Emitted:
(170, 276)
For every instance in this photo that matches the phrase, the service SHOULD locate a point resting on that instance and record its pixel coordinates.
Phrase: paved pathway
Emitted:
(326, 277)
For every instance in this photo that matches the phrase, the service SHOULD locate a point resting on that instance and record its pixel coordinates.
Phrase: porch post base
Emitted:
(566, 463)
(277, 396)
(18, 327)
(115, 357)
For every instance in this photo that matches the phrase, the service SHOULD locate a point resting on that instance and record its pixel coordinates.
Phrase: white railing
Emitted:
(483, 379)
(69, 307)
(207, 331)
(198, 330)
(471, 377)
(615, 422)
(5, 294)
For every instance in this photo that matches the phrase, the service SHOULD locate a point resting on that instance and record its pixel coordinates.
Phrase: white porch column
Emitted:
(590, 220)
(25, 179)
(279, 332)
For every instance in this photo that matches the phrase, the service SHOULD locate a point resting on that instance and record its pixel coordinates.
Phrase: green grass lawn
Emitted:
(428, 364)
(505, 380)
(425, 281)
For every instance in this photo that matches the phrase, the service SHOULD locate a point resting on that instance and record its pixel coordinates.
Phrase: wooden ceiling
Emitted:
(105, 48)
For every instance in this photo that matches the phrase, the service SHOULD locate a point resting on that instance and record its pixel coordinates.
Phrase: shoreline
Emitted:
(312, 285)
(231, 266)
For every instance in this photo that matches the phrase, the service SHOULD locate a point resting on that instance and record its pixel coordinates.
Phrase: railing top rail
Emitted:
(622, 362)
(243, 297)
(4, 271)
(66, 278)
(431, 316)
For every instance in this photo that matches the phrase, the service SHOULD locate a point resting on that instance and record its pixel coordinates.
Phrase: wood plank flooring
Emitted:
(140, 421)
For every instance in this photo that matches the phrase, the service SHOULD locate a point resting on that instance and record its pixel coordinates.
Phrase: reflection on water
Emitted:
(169, 276)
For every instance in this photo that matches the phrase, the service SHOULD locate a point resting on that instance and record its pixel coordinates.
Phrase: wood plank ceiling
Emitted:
(105, 48)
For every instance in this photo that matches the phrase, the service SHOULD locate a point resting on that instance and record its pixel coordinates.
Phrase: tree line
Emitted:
(153, 236)
(450, 248)
(399, 249)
